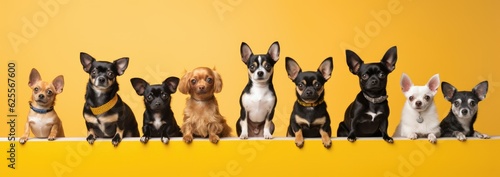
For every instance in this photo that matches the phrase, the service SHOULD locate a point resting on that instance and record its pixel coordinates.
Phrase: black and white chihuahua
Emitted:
(459, 122)
(258, 98)
(368, 115)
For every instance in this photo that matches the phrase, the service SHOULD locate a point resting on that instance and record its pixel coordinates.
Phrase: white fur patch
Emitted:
(373, 114)
(259, 103)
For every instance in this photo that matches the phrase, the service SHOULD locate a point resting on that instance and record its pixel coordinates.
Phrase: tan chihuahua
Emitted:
(42, 118)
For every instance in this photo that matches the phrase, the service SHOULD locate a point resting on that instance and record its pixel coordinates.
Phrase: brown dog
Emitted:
(201, 114)
(42, 118)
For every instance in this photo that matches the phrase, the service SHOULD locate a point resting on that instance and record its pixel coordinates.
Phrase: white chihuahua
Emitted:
(419, 118)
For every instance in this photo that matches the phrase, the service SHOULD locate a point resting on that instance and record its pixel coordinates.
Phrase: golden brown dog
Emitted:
(201, 114)
(42, 118)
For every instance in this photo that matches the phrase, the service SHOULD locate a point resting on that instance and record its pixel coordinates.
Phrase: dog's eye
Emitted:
(472, 103)
(411, 98)
(150, 98)
(364, 76)
(49, 92)
(94, 72)
(267, 66)
(317, 85)
(427, 97)
(110, 74)
(164, 96)
(456, 103)
(36, 89)
(301, 86)
(209, 80)
(252, 67)
(381, 75)
(193, 81)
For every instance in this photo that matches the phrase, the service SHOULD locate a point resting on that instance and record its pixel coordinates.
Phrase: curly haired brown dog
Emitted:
(201, 114)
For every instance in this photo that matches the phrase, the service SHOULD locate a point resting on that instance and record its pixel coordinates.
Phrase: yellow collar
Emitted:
(302, 103)
(105, 107)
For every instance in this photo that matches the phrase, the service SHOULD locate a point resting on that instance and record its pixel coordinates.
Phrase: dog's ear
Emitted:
(245, 52)
(171, 83)
(184, 84)
(292, 68)
(139, 85)
(34, 77)
(448, 90)
(433, 83)
(406, 82)
(480, 90)
(86, 61)
(274, 51)
(58, 83)
(326, 68)
(390, 58)
(353, 61)
(121, 65)
(217, 82)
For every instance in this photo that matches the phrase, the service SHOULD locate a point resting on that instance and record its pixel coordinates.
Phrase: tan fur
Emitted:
(201, 114)
(47, 125)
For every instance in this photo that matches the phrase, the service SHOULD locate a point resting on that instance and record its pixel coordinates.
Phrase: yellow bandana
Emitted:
(105, 107)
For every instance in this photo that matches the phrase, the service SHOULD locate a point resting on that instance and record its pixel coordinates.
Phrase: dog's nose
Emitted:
(202, 87)
(418, 103)
(374, 82)
(41, 96)
(309, 92)
(464, 111)
(100, 79)
(260, 73)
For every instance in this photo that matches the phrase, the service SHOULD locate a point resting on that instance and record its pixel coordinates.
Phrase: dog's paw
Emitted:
(165, 140)
(90, 139)
(51, 138)
(388, 139)
(299, 142)
(327, 143)
(481, 136)
(267, 135)
(187, 138)
(351, 138)
(412, 136)
(116, 140)
(23, 140)
(461, 136)
(244, 135)
(213, 138)
(144, 139)
(432, 138)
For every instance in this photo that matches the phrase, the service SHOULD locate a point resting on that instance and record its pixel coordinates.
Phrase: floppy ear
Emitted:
(448, 90)
(326, 68)
(245, 52)
(217, 82)
(292, 68)
(406, 83)
(353, 61)
(390, 58)
(480, 90)
(184, 85)
(58, 83)
(171, 83)
(274, 51)
(139, 85)
(34, 77)
(433, 83)
(121, 65)
(86, 61)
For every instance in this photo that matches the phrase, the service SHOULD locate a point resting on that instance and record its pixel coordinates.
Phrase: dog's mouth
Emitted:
(41, 101)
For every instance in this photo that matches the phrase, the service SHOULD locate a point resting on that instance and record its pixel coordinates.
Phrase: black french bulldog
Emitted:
(368, 115)
(158, 118)
(106, 115)
(310, 117)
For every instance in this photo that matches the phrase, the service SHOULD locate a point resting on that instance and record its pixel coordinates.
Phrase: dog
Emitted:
(106, 115)
(309, 117)
(419, 117)
(460, 120)
(367, 115)
(258, 99)
(158, 118)
(201, 114)
(43, 120)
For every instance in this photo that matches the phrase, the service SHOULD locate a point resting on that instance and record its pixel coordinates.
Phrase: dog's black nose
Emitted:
(100, 79)
(309, 92)
(374, 82)
(41, 96)
(260, 73)
(418, 103)
(464, 111)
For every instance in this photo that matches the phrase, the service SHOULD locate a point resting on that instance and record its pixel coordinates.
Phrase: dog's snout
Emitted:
(418, 103)
(201, 87)
(41, 96)
(100, 79)
(260, 73)
(464, 111)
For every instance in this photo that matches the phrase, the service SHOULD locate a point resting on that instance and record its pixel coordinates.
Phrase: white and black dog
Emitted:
(258, 99)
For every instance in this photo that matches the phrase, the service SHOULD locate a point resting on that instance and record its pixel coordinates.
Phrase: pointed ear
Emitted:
(245, 52)
(139, 85)
(353, 61)
(292, 68)
(406, 83)
(217, 82)
(326, 68)
(433, 83)
(390, 58)
(86, 61)
(480, 90)
(121, 65)
(34, 77)
(171, 83)
(58, 83)
(448, 90)
(184, 85)
(274, 51)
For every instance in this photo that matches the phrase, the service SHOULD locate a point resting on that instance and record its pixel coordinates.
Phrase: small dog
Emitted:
(309, 117)
(43, 120)
(459, 122)
(158, 118)
(258, 99)
(368, 115)
(106, 115)
(419, 117)
(201, 114)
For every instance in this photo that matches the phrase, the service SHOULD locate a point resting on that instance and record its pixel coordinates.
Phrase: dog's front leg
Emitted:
(352, 132)
(214, 128)
(90, 133)
(118, 135)
(164, 129)
(146, 133)
(268, 125)
(187, 131)
(244, 126)
(299, 137)
(383, 129)
(480, 135)
(53, 131)
(26, 134)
